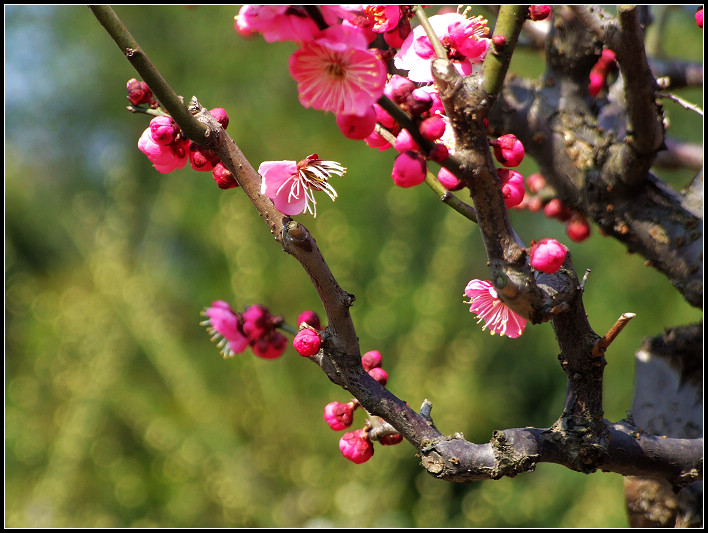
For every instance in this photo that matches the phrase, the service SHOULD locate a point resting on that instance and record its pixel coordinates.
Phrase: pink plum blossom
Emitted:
(336, 72)
(275, 22)
(356, 446)
(547, 255)
(225, 326)
(339, 415)
(383, 18)
(485, 303)
(291, 185)
(465, 40)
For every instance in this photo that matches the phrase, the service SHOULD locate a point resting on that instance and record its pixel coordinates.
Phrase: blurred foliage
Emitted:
(119, 412)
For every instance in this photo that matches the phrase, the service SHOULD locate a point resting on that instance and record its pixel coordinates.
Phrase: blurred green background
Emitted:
(120, 412)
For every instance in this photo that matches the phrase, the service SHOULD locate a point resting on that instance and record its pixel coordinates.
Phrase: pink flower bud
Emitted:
(512, 184)
(540, 12)
(379, 374)
(383, 118)
(357, 127)
(404, 142)
(223, 177)
(449, 180)
(508, 150)
(139, 92)
(547, 255)
(499, 41)
(165, 158)
(376, 141)
(307, 342)
(418, 102)
(577, 228)
(699, 17)
(201, 159)
(371, 360)
(163, 130)
(597, 83)
(391, 440)
(399, 88)
(271, 346)
(220, 115)
(432, 128)
(535, 182)
(338, 415)
(356, 446)
(438, 153)
(409, 169)
(555, 209)
(310, 318)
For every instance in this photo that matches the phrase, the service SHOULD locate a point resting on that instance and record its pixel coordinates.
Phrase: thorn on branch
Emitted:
(602, 344)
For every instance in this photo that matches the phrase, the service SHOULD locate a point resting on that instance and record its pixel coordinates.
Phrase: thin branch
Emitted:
(602, 344)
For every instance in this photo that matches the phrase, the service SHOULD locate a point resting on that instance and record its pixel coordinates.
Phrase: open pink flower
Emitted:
(275, 22)
(291, 185)
(485, 303)
(464, 39)
(336, 72)
(225, 326)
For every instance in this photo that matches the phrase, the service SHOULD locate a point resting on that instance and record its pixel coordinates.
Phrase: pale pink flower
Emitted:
(225, 326)
(547, 255)
(291, 185)
(275, 22)
(356, 446)
(485, 303)
(464, 39)
(336, 72)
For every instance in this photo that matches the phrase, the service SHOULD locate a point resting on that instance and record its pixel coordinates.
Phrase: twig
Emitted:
(683, 103)
(601, 345)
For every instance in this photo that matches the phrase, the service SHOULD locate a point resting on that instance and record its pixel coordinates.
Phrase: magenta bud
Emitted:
(339, 415)
(356, 446)
(220, 115)
(418, 102)
(310, 318)
(307, 342)
(512, 184)
(449, 180)
(398, 88)
(539, 12)
(547, 255)
(371, 360)
(223, 177)
(577, 228)
(432, 128)
(404, 142)
(357, 127)
(139, 92)
(409, 169)
(508, 150)
(499, 41)
(379, 374)
(438, 153)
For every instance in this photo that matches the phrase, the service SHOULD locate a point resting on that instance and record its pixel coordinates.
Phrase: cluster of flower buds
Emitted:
(167, 148)
(255, 327)
(599, 73)
(357, 446)
(542, 197)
